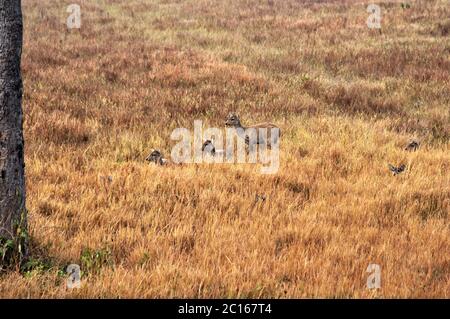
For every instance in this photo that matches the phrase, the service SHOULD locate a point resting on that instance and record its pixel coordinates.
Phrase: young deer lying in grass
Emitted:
(233, 120)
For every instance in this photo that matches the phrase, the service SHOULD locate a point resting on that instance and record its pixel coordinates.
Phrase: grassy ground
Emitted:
(347, 98)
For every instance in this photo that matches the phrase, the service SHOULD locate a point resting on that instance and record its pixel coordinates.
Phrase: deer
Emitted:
(233, 121)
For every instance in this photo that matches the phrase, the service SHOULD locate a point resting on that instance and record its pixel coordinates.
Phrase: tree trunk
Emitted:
(12, 176)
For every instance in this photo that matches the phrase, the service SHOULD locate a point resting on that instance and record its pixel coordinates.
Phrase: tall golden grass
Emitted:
(347, 98)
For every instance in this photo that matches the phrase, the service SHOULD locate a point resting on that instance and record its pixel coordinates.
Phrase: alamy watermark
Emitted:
(74, 19)
(374, 19)
(74, 279)
(374, 279)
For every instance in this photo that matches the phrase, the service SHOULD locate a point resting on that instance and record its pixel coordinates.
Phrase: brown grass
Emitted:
(348, 99)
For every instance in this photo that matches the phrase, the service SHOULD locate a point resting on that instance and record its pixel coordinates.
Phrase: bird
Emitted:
(396, 170)
(232, 120)
(156, 157)
(412, 146)
(208, 148)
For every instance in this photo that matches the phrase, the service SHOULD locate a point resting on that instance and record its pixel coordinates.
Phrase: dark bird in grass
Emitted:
(208, 148)
(396, 170)
(156, 157)
(413, 146)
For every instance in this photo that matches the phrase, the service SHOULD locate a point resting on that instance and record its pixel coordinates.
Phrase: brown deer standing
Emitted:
(233, 120)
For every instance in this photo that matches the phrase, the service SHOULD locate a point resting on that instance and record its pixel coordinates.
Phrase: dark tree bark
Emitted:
(12, 175)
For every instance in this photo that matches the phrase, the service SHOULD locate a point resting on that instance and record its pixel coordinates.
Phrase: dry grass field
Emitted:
(347, 98)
